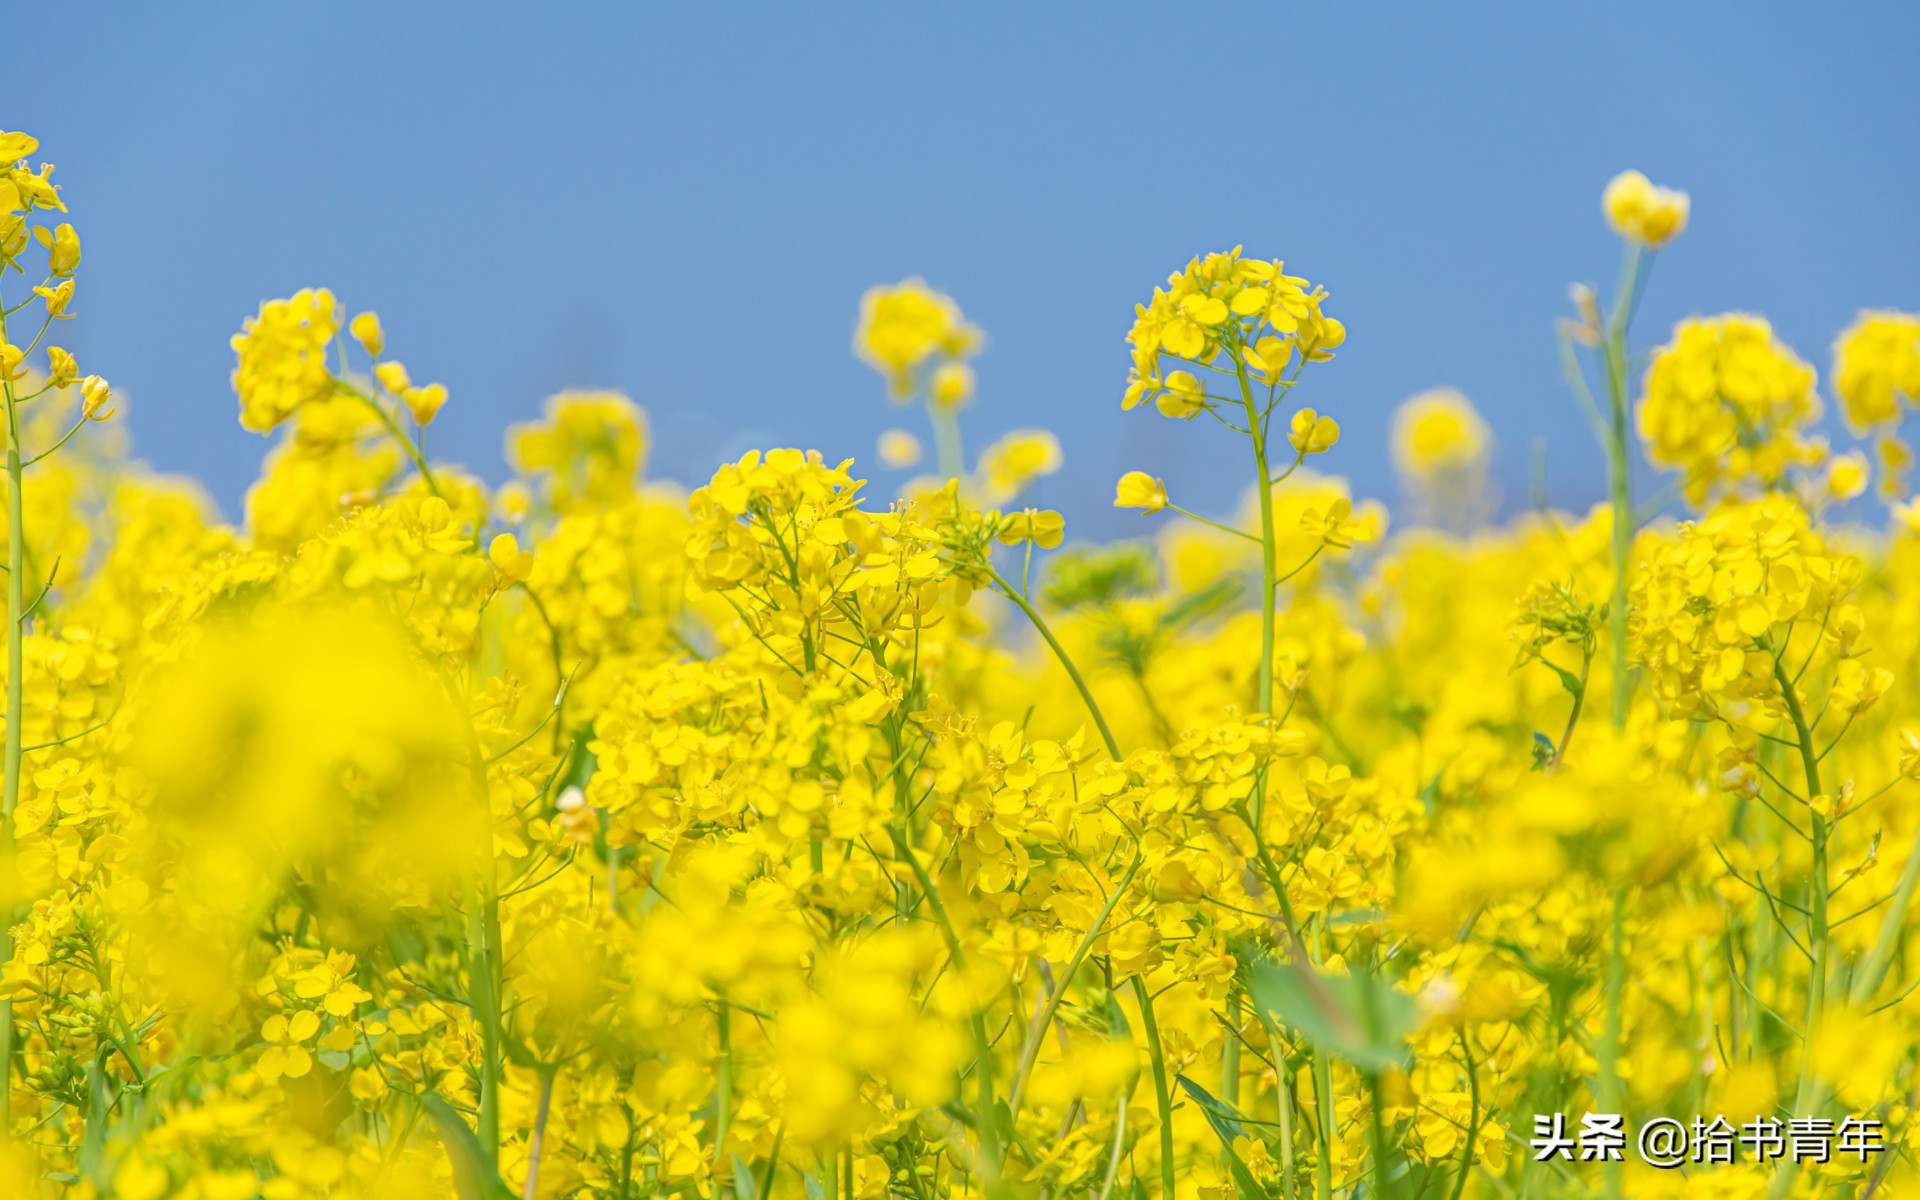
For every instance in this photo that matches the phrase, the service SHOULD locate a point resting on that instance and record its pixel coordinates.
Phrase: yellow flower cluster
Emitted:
(1248, 310)
(283, 357)
(910, 329)
(1729, 405)
(585, 837)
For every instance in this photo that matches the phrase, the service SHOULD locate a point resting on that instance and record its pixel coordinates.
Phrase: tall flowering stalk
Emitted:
(23, 193)
(1646, 217)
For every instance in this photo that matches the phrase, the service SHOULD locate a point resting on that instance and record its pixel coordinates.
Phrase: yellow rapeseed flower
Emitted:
(1137, 489)
(1438, 431)
(283, 357)
(1641, 212)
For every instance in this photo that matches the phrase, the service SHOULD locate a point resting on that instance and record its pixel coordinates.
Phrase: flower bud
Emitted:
(366, 330)
(94, 395)
(952, 385)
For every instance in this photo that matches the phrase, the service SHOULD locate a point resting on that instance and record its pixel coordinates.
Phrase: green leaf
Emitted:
(518, 1052)
(473, 1179)
(1568, 680)
(1225, 1121)
(1227, 1127)
(744, 1187)
(1359, 1019)
(93, 1140)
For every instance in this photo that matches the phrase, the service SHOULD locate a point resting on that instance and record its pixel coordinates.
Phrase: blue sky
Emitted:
(686, 202)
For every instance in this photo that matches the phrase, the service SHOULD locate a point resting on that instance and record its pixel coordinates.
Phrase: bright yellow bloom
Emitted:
(1643, 213)
(1847, 476)
(1224, 301)
(588, 449)
(1043, 527)
(1730, 405)
(62, 367)
(1330, 526)
(63, 248)
(393, 376)
(903, 326)
(1438, 431)
(283, 354)
(16, 146)
(94, 395)
(424, 402)
(285, 1055)
(1014, 461)
(1311, 433)
(58, 297)
(1876, 367)
(952, 385)
(1137, 489)
(1182, 398)
(512, 563)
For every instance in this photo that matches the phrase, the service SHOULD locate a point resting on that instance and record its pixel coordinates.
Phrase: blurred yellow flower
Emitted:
(899, 449)
(1641, 212)
(1438, 431)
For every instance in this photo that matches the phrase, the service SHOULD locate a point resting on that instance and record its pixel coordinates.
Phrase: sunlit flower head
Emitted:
(907, 325)
(1876, 367)
(1642, 212)
(1137, 489)
(1730, 405)
(1438, 431)
(283, 357)
(1273, 321)
(1011, 463)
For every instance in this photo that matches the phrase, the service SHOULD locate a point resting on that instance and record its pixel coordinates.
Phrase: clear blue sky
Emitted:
(686, 202)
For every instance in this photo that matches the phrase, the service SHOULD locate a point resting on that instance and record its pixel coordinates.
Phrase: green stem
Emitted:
(1059, 652)
(1874, 970)
(486, 959)
(723, 1087)
(1816, 890)
(1239, 533)
(1157, 1061)
(1263, 485)
(538, 1141)
(1322, 1068)
(1030, 1053)
(1610, 1096)
(946, 440)
(1620, 478)
(988, 1121)
(1473, 1120)
(16, 708)
(1230, 1053)
(407, 445)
